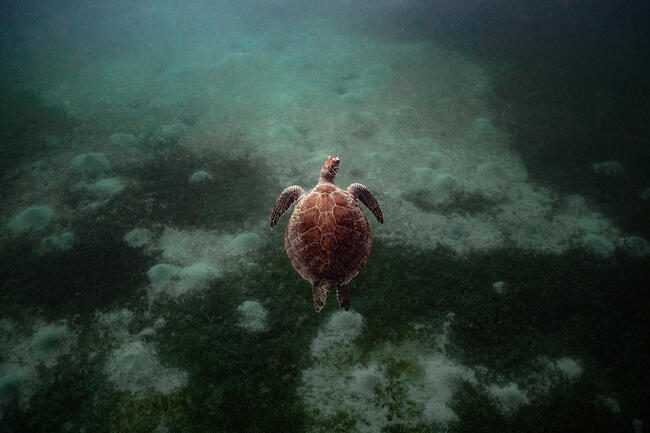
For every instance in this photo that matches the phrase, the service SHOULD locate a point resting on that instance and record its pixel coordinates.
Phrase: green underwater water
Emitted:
(570, 304)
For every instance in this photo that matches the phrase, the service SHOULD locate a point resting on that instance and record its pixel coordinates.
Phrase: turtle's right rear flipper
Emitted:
(320, 291)
(343, 296)
(362, 193)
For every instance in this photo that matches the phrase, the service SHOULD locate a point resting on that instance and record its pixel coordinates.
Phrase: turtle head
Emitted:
(330, 168)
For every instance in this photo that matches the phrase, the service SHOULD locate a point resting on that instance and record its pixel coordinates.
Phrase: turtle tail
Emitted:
(320, 291)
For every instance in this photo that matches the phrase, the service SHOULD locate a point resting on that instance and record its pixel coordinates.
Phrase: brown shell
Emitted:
(328, 236)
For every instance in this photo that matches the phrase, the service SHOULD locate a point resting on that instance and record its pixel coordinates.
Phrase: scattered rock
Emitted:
(443, 187)
(441, 376)
(137, 237)
(11, 384)
(568, 367)
(93, 165)
(406, 117)
(608, 168)
(51, 141)
(195, 277)
(405, 112)
(360, 124)
(116, 322)
(457, 230)
(253, 316)
(123, 139)
(32, 218)
(645, 194)
(609, 403)
(423, 177)
(435, 159)
(353, 97)
(636, 245)
(162, 274)
(369, 381)
(245, 243)
(109, 186)
(175, 130)
(62, 242)
(156, 140)
(49, 342)
(24, 358)
(134, 367)
(492, 170)
(148, 123)
(432, 189)
(499, 287)
(339, 331)
(484, 128)
(598, 244)
(375, 75)
(200, 176)
(510, 397)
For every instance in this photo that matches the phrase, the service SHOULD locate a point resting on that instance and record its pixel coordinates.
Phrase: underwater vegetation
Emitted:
(252, 381)
(236, 189)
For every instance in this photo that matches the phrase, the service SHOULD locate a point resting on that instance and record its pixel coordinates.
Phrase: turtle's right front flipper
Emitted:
(362, 193)
(283, 203)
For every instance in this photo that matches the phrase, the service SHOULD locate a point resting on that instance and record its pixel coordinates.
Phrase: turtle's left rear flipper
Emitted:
(320, 291)
(344, 297)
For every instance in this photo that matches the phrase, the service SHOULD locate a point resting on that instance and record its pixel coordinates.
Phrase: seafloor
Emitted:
(143, 146)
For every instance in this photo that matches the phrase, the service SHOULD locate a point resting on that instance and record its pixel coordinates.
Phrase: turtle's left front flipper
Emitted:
(362, 193)
(283, 203)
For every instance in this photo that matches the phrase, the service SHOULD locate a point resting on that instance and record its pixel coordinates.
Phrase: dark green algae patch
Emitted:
(239, 190)
(555, 305)
(99, 273)
(239, 380)
(572, 304)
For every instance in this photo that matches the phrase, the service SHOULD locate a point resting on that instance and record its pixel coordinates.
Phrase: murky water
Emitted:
(144, 144)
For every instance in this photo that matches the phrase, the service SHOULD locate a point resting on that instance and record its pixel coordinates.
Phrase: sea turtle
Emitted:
(328, 236)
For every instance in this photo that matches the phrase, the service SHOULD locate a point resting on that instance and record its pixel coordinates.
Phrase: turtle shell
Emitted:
(328, 236)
